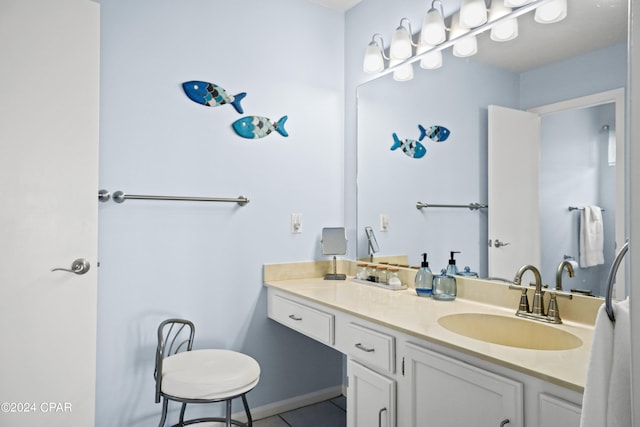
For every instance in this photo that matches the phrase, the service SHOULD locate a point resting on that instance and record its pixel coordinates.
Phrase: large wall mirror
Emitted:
(552, 70)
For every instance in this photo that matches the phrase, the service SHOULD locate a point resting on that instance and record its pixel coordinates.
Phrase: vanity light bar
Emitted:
(472, 32)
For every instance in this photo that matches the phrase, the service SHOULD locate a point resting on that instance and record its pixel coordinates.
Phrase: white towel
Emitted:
(607, 393)
(591, 237)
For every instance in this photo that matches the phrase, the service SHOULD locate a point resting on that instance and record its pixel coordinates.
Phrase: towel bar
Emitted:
(612, 278)
(120, 197)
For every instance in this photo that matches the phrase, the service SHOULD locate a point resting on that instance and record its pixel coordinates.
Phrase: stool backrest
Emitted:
(174, 335)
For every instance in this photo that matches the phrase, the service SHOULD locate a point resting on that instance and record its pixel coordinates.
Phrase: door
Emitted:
(49, 92)
(556, 412)
(447, 392)
(513, 169)
(371, 397)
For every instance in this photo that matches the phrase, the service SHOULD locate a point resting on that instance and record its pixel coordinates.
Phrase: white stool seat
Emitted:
(209, 374)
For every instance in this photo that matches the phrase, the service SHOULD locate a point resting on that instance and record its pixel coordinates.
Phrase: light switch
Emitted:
(296, 222)
(384, 222)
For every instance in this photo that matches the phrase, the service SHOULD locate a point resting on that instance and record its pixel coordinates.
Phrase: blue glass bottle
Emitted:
(424, 279)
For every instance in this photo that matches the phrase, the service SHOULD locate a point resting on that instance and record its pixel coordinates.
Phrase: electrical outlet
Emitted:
(296, 222)
(384, 222)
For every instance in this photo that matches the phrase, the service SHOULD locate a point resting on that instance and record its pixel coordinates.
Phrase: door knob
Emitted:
(79, 266)
(499, 244)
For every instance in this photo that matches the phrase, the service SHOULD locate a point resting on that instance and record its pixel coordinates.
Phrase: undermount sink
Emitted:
(510, 331)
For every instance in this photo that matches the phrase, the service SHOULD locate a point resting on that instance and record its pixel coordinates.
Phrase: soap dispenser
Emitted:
(452, 269)
(424, 279)
(444, 287)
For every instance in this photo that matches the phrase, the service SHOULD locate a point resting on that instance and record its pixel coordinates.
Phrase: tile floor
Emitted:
(330, 413)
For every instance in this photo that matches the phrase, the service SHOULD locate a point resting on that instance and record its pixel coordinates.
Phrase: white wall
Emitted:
(204, 261)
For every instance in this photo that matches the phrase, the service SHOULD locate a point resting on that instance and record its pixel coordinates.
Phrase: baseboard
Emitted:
(271, 409)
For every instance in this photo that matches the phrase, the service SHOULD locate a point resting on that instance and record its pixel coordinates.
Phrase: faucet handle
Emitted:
(553, 312)
(523, 307)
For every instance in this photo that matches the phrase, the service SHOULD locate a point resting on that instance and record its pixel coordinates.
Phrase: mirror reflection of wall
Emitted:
(576, 171)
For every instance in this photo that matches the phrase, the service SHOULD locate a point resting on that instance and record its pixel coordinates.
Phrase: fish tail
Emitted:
(280, 126)
(236, 102)
(396, 142)
(423, 132)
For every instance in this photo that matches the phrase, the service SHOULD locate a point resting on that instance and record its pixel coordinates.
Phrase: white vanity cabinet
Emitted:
(312, 322)
(397, 379)
(442, 391)
(556, 412)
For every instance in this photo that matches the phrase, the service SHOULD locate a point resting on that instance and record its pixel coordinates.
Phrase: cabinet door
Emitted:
(371, 398)
(556, 412)
(447, 392)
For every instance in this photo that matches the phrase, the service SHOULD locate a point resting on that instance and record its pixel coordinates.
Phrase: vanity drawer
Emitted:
(304, 319)
(370, 346)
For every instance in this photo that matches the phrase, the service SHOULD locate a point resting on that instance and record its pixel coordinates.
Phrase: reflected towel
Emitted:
(591, 237)
(607, 393)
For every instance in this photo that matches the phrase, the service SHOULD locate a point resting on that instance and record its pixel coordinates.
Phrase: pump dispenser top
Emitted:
(452, 269)
(425, 263)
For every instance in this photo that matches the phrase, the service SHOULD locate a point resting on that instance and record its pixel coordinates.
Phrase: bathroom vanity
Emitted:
(405, 367)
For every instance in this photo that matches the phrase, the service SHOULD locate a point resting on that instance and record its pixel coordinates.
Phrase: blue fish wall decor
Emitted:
(410, 147)
(212, 95)
(258, 127)
(435, 133)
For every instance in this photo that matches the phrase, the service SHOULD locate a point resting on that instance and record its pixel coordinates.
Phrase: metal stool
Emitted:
(200, 376)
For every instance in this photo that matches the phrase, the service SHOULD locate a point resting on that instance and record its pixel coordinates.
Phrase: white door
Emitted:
(514, 214)
(371, 398)
(448, 392)
(49, 92)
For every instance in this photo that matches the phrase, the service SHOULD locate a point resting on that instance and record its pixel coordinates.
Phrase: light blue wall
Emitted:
(586, 74)
(575, 172)
(204, 261)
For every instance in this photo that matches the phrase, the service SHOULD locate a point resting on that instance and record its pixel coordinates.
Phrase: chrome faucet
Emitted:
(554, 312)
(561, 267)
(537, 313)
(538, 308)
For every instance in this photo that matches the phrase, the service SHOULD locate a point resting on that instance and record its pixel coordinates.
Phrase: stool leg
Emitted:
(246, 409)
(228, 413)
(163, 418)
(184, 408)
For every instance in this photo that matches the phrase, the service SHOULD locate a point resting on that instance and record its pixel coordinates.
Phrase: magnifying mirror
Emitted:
(373, 243)
(334, 242)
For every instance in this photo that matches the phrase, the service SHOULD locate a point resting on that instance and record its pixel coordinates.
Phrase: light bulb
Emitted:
(373, 61)
(505, 30)
(549, 13)
(433, 28)
(467, 45)
(402, 73)
(516, 3)
(473, 13)
(431, 60)
(401, 44)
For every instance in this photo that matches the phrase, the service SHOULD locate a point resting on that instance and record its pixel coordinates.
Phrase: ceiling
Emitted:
(341, 5)
(590, 25)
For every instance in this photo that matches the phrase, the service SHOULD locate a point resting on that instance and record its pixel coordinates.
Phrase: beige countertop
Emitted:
(405, 312)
